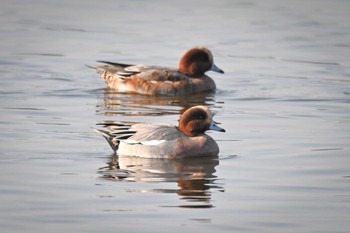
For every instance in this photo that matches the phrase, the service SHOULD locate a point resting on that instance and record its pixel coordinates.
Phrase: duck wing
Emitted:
(148, 73)
(144, 134)
(148, 133)
(121, 69)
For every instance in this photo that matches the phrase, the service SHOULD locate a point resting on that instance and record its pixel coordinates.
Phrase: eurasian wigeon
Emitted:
(188, 79)
(188, 139)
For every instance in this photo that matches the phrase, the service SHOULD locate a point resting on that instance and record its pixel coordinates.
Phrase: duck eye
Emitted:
(198, 114)
(201, 117)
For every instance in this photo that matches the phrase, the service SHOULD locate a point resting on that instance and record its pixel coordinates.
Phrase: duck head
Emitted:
(197, 61)
(196, 120)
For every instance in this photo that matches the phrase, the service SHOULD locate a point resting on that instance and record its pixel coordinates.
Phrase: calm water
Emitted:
(284, 101)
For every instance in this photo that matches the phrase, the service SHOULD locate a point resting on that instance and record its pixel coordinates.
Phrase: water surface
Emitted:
(284, 162)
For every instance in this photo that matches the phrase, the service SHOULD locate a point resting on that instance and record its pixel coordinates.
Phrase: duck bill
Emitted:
(216, 69)
(215, 127)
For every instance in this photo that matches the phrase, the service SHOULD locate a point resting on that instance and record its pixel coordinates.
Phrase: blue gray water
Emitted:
(284, 164)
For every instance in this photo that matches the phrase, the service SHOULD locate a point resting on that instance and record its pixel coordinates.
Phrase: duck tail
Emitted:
(101, 70)
(91, 67)
(115, 64)
(114, 143)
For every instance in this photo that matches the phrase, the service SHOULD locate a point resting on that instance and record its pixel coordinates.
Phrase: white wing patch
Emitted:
(131, 142)
(153, 142)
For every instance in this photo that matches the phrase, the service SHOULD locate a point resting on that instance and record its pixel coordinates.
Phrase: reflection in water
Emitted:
(194, 176)
(120, 104)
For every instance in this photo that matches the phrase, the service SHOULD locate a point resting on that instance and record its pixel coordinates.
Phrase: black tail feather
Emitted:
(115, 64)
(109, 138)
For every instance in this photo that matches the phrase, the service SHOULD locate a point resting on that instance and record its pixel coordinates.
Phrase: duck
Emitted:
(189, 78)
(159, 140)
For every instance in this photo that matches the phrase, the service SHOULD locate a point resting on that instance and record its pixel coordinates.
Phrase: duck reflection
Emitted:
(117, 104)
(195, 177)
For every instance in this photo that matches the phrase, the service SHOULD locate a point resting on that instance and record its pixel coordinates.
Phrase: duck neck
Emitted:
(188, 131)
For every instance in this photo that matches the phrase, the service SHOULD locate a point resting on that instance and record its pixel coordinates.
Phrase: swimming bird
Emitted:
(189, 78)
(188, 139)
